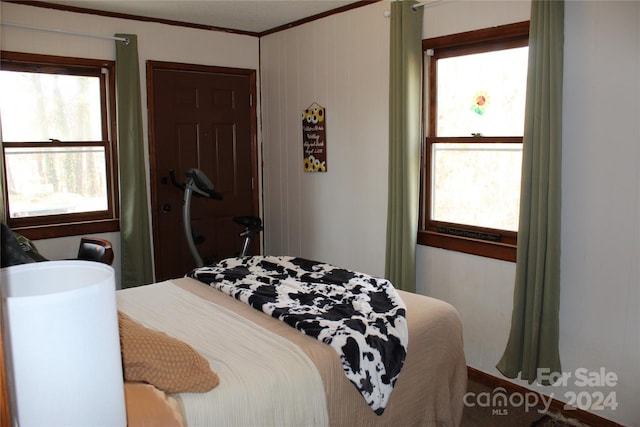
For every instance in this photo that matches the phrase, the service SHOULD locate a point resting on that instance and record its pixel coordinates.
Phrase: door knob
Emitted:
(166, 208)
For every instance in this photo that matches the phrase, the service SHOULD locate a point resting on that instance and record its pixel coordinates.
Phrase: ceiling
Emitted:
(252, 16)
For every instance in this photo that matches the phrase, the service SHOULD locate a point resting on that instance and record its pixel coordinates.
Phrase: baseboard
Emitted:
(556, 406)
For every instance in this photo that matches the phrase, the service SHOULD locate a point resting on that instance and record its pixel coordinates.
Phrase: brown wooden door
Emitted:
(200, 117)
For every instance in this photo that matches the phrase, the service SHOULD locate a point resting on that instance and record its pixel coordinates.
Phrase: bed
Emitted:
(272, 374)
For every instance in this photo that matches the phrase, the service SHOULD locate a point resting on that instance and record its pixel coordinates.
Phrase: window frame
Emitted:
(69, 224)
(482, 241)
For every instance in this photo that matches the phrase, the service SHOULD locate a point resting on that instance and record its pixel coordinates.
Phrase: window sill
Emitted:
(68, 229)
(495, 250)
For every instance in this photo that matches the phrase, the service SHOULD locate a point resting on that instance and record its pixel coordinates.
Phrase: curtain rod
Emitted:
(426, 4)
(387, 13)
(53, 30)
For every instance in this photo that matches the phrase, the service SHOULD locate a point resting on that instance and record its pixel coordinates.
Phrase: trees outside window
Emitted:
(475, 97)
(58, 129)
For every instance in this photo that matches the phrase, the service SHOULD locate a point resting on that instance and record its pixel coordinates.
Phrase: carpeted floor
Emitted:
(548, 421)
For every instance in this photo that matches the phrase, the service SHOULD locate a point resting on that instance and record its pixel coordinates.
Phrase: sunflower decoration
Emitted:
(309, 163)
(480, 102)
(313, 115)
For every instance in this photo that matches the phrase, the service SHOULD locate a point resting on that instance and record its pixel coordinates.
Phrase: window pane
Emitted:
(482, 93)
(38, 106)
(55, 180)
(477, 184)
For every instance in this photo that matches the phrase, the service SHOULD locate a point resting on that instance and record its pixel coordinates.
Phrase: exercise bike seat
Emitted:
(252, 225)
(248, 221)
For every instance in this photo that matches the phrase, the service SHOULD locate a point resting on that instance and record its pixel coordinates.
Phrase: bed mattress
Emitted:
(429, 390)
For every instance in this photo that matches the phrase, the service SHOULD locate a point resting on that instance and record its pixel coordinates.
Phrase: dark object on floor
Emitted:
(542, 421)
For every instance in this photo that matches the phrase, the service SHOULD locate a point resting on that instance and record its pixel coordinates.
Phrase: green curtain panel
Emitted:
(533, 340)
(136, 258)
(405, 109)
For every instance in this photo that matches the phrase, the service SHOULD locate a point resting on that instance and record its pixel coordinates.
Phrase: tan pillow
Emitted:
(156, 358)
(147, 406)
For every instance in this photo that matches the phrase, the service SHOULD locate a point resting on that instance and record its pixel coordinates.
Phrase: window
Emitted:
(58, 128)
(475, 96)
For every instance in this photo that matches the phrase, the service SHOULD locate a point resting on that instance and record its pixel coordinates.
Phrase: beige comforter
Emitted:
(430, 388)
(265, 380)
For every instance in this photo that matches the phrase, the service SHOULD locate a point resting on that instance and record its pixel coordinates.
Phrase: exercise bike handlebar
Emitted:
(199, 183)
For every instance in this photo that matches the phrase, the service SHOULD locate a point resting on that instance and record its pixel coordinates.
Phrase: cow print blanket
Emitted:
(360, 316)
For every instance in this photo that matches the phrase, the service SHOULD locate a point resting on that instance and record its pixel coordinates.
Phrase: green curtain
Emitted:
(135, 242)
(405, 109)
(533, 340)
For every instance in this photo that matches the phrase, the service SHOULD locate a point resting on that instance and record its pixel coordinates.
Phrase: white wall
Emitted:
(340, 62)
(156, 42)
(318, 216)
(600, 302)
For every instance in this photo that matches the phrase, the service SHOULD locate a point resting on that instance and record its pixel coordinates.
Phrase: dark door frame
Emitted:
(161, 65)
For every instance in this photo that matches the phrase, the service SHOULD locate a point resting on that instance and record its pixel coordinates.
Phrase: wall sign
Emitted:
(314, 138)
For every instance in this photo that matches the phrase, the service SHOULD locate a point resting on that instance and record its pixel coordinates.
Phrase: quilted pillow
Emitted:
(167, 363)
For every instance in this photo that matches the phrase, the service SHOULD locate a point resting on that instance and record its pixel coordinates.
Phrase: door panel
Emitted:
(200, 118)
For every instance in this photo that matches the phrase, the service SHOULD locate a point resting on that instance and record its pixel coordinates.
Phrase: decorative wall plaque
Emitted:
(314, 138)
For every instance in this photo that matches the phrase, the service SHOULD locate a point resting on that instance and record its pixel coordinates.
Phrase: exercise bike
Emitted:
(198, 184)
